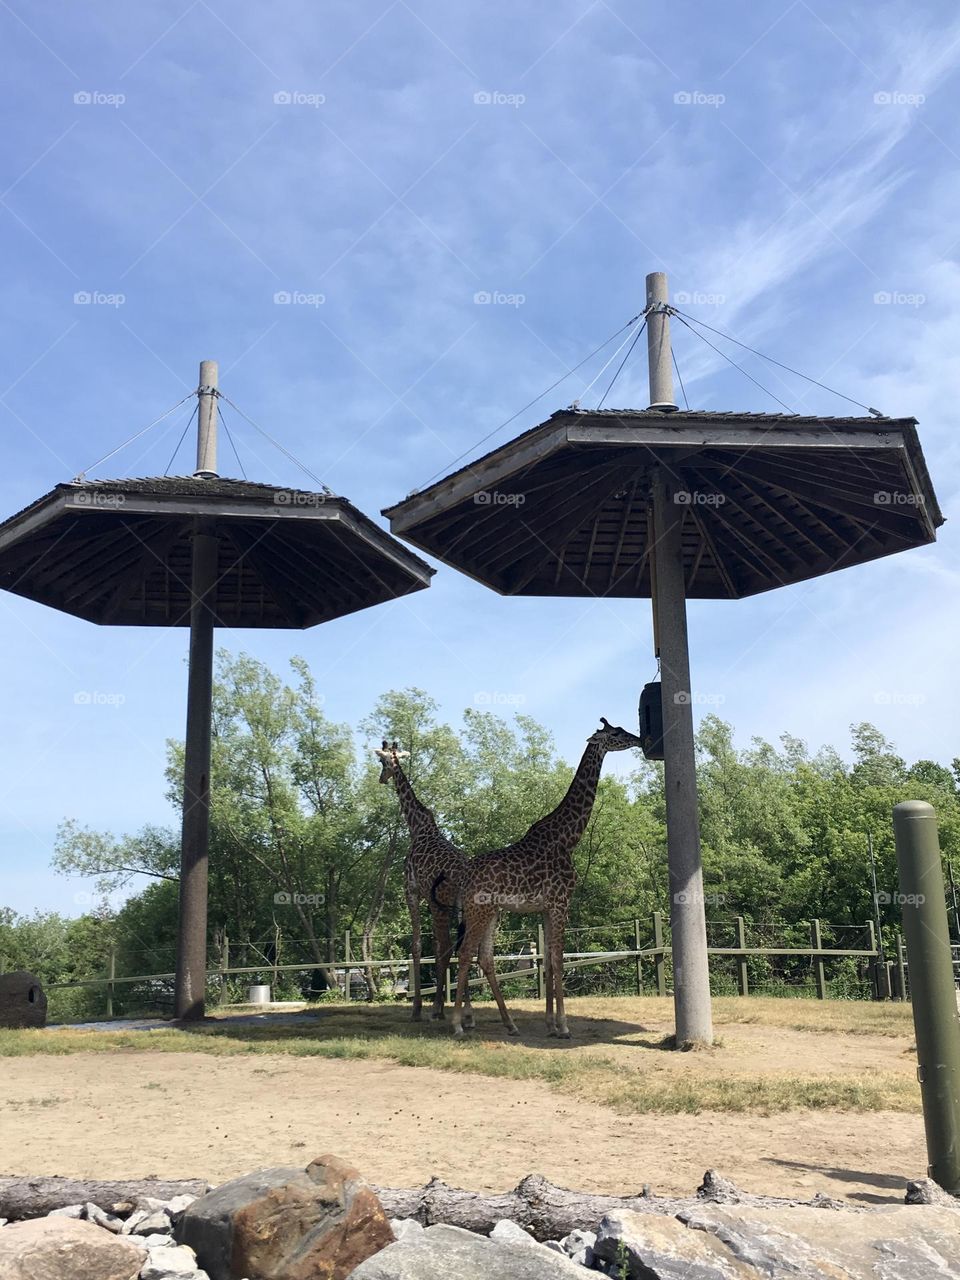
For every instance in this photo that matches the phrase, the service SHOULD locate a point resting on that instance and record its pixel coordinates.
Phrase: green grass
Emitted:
(618, 1057)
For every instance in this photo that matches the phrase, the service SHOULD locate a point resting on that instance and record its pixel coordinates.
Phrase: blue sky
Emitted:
(783, 163)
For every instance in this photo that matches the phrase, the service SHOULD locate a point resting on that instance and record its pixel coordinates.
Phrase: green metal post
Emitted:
(224, 966)
(819, 973)
(541, 951)
(743, 982)
(346, 960)
(658, 954)
(636, 945)
(111, 974)
(934, 996)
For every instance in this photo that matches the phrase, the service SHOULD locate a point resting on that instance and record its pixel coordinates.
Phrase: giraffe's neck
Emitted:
(418, 817)
(568, 821)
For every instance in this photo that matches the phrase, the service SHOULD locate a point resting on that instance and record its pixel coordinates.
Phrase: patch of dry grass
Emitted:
(618, 1058)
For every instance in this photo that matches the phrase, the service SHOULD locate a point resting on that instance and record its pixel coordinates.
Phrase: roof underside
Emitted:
(119, 552)
(563, 510)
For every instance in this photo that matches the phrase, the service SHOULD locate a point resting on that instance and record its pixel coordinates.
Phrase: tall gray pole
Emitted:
(691, 974)
(932, 990)
(659, 357)
(207, 421)
(195, 832)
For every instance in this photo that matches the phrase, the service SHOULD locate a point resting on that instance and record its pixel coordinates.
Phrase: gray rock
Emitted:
(58, 1248)
(556, 1246)
(506, 1231)
(158, 1220)
(651, 1247)
(93, 1213)
(450, 1253)
(926, 1191)
(166, 1262)
(132, 1223)
(406, 1228)
(68, 1211)
(155, 1241)
(717, 1188)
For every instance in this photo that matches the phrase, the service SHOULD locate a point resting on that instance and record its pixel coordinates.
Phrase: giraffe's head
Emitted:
(610, 737)
(390, 757)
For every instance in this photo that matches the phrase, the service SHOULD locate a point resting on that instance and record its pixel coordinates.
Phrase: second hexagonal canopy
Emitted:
(770, 499)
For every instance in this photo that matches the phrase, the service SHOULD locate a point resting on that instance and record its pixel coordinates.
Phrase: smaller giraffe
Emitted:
(431, 858)
(535, 874)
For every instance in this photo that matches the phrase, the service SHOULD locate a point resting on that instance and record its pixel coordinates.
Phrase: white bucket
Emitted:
(259, 994)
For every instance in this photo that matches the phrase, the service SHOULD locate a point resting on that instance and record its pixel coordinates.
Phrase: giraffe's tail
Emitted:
(461, 923)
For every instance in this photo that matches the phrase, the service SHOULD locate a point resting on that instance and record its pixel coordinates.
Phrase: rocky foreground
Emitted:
(326, 1223)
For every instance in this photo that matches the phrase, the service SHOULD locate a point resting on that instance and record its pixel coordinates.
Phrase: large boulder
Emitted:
(287, 1224)
(58, 1247)
(450, 1253)
(22, 1000)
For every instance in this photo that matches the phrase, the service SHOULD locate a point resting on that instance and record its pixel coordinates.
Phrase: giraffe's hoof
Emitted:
(512, 1030)
(564, 1034)
(551, 1031)
(458, 1033)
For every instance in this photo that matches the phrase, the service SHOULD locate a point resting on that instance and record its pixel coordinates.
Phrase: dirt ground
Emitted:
(116, 1115)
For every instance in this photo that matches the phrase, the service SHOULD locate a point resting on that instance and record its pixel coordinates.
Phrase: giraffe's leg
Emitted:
(548, 975)
(442, 949)
(413, 905)
(490, 973)
(558, 924)
(468, 948)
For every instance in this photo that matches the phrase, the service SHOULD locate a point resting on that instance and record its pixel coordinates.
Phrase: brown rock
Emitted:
(287, 1224)
(54, 1248)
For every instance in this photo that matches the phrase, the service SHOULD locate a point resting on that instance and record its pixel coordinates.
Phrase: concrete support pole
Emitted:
(191, 976)
(932, 987)
(192, 928)
(659, 355)
(207, 421)
(691, 975)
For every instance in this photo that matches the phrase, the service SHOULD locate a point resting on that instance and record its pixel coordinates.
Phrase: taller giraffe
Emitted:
(535, 874)
(430, 859)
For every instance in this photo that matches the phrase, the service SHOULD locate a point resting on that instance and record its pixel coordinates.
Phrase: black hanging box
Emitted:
(651, 721)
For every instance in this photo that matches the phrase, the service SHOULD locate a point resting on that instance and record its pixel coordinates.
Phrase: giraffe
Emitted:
(431, 859)
(533, 875)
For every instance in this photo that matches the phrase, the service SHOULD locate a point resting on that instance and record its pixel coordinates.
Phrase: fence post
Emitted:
(448, 981)
(935, 1020)
(541, 948)
(636, 944)
(743, 982)
(111, 974)
(901, 967)
(224, 966)
(819, 973)
(346, 961)
(658, 954)
(874, 963)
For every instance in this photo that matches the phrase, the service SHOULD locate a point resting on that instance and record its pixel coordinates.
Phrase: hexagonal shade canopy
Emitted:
(770, 499)
(118, 552)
